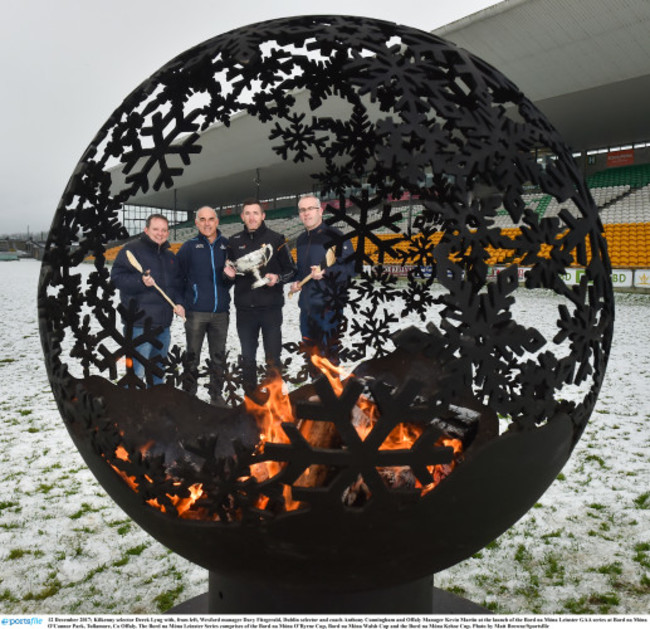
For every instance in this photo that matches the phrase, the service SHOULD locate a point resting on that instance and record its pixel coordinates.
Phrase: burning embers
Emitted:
(181, 505)
(345, 440)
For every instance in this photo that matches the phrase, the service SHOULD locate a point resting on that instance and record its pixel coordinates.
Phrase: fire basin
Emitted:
(326, 540)
(443, 431)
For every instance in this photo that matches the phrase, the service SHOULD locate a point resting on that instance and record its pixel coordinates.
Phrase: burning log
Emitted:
(398, 477)
(319, 435)
(429, 438)
(421, 356)
(358, 493)
(275, 407)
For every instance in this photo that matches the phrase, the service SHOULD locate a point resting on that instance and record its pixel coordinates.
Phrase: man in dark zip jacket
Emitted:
(159, 267)
(323, 296)
(207, 299)
(259, 309)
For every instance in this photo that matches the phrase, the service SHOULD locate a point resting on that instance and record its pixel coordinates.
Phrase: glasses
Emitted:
(302, 210)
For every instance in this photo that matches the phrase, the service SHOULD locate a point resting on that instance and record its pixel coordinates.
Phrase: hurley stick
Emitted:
(138, 267)
(330, 259)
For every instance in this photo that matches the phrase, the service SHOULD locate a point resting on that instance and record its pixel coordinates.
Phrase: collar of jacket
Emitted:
(204, 239)
(153, 245)
(260, 230)
(318, 229)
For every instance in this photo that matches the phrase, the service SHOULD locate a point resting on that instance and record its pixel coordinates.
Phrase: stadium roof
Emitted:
(584, 63)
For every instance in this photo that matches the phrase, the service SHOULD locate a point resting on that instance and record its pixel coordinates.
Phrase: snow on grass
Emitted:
(585, 547)
(65, 547)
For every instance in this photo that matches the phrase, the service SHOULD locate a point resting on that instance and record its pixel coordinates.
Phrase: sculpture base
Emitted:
(232, 596)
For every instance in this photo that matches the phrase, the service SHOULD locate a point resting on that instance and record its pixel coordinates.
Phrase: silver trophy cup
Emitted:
(252, 263)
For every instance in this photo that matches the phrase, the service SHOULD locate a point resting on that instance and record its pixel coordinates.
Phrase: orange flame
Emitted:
(183, 505)
(269, 417)
(403, 436)
(440, 472)
(122, 454)
(129, 480)
(124, 361)
(335, 375)
(277, 410)
(366, 412)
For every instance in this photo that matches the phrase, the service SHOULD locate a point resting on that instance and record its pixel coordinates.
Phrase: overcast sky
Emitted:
(66, 65)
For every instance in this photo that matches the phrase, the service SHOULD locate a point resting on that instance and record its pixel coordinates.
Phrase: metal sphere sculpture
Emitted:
(416, 115)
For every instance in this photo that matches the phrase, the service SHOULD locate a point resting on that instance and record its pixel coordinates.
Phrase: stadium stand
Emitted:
(622, 194)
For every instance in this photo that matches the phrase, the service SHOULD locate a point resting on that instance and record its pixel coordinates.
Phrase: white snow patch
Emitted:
(65, 547)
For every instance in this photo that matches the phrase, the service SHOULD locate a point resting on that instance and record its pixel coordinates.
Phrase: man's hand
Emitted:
(272, 278)
(229, 270)
(317, 273)
(180, 311)
(295, 287)
(147, 280)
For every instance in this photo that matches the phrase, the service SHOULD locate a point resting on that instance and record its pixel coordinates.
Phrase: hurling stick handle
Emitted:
(138, 267)
(166, 297)
(330, 259)
(301, 283)
(164, 294)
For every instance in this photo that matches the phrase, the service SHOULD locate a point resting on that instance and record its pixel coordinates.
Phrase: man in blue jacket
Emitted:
(207, 298)
(159, 267)
(323, 296)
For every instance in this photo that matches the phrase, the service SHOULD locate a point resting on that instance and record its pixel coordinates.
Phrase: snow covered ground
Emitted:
(65, 547)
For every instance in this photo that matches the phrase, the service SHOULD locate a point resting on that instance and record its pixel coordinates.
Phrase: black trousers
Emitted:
(250, 322)
(214, 325)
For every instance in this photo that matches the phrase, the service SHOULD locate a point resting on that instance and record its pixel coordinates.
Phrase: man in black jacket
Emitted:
(160, 267)
(207, 298)
(259, 309)
(324, 294)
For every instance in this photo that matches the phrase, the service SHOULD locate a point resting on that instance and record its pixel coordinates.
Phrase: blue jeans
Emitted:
(149, 350)
(319, 328)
